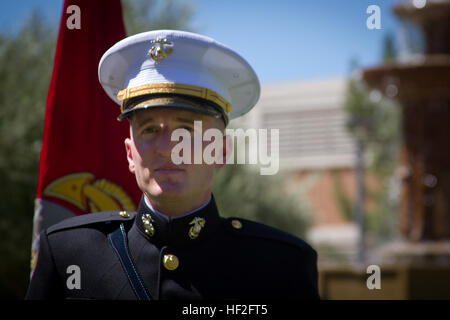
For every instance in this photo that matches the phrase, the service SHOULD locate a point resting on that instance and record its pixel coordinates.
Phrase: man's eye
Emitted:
(149, 130)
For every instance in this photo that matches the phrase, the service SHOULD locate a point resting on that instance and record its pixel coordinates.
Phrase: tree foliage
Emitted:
(243, 192)
(140, 16)
(375, 119)
(25, 72)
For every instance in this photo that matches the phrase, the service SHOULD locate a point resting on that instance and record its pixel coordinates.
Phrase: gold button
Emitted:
(236, 224)
(170, 262)
(124, 214)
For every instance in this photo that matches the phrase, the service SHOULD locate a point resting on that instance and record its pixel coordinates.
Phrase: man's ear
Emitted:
(128, 145)
(227, 149)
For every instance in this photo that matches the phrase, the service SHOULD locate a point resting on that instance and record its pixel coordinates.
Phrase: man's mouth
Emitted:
(168, 169)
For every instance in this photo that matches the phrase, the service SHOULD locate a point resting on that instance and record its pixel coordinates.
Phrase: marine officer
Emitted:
(176, 246)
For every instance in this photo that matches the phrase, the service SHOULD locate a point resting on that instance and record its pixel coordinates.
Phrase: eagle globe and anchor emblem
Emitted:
(89, 194)
(161, 49)
(197, 225)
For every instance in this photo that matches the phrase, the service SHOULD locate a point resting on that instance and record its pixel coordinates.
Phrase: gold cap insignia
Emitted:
(148, 226)
(160, 50)
(197, 225)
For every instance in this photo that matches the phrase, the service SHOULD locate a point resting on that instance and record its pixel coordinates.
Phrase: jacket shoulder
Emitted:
(91, 219)
(247, 228)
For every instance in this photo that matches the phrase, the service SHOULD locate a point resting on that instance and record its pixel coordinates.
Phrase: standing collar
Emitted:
(186, 229)
(163, 215)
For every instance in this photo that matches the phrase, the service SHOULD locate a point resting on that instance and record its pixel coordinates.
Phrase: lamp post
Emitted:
(360, 126)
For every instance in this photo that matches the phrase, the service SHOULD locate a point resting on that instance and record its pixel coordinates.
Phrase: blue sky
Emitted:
(284, 40)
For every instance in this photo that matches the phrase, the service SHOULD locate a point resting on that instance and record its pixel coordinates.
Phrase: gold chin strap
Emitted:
(174, 88)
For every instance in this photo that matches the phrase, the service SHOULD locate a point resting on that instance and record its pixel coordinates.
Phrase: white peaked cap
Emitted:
(161, 64)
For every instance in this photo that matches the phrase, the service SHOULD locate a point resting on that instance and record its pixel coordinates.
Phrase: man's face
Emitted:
(149, 155)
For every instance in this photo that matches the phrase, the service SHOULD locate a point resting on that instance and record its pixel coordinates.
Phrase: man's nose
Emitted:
(165, 144)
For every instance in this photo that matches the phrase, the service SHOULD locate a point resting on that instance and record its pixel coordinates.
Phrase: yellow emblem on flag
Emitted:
(89, 194)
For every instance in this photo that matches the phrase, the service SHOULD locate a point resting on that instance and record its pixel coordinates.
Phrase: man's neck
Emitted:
(177, 207)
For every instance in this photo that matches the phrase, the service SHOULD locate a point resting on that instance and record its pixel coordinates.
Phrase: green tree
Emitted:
(377, 119)
(25, 72)
(242, 192)
(389, 50)
(140, 16)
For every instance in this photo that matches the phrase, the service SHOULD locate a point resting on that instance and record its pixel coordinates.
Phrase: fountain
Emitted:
(418, 267)
(421, 85)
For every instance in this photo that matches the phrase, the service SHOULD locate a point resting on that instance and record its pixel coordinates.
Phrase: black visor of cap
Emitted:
(172, 101)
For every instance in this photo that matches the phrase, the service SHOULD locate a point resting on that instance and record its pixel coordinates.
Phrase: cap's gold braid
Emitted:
(175, 88)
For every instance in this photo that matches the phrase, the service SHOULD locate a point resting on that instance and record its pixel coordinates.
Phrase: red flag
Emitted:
(83, 166)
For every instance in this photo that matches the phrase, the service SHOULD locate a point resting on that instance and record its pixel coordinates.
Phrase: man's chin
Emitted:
(167, 191)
